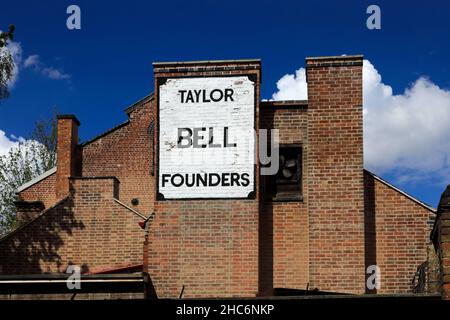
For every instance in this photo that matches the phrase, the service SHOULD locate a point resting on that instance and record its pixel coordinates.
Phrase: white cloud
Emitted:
(292, 87)
(32, 61)
(55, 74)
(6, 143)
(49, 72)
(406, 134)
(409, 132)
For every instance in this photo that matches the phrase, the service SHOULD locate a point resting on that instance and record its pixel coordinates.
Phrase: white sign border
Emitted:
(161, 80)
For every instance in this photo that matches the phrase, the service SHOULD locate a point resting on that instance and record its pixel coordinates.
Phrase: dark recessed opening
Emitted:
(286, 184)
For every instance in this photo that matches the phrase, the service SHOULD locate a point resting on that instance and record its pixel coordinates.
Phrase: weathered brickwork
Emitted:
(441, 241)
(288, 236)
(345, 220)
(209, 246)
(210, 249)
(126, 153)
(27, 210)
(290, 118)
(335, 174)
(67, 148)
(87, 228)
(44, 191)
(284, 239)
(397, 235)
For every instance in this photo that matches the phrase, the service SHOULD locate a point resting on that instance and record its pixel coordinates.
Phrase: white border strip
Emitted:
(36, 180)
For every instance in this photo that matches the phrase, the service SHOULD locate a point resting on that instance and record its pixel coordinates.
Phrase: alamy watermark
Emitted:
(73, 21)
(373, 22)
(374, 277)
(73, 282)
(204, 138)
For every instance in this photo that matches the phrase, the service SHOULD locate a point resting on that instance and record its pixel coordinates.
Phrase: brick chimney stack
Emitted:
(66, 152)
(335, 168)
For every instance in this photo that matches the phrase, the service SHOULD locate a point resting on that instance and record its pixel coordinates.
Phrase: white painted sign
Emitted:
(206, 138)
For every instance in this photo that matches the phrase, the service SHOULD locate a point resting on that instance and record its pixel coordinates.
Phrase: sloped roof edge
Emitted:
(138, 103)
(423, 204)
(36, 180)
(101, 135)
(12, 232)
(127, 110)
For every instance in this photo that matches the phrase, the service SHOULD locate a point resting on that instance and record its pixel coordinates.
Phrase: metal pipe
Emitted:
(131, 209)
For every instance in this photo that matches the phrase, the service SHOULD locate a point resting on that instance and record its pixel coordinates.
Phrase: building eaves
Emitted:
(352, 56)
(139, 103)
(182, 63)
(36, 180)
(101, 135)
(303, 104)
(423, 204)
(12, 232)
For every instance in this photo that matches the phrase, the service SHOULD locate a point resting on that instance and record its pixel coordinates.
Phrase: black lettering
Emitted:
(211, 139)
(202, 178)
(173, 180)
(235, 179)
(165, 179)
(190, 97)
(186, 137)
(182, 95)
(220, 96)
(225, 179)
(229, 94)
(204, 97)
(197, 138)
(211, 183)
(197, 95)
(225, 139)
(190, 184)
(246, 181)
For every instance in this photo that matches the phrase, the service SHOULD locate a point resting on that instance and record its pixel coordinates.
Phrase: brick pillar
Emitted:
(66, 153)
(335, 168)
(209, 246)
(441, 240)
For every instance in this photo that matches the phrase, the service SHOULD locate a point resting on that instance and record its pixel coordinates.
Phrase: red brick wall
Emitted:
(441, 240)
(66, 153)
(335, 174)
(88, 229)
(290, 244)
(397, 237)
(27, 210)
(126, 153)
(229, 247)
(209, 246)
(44, 190)
(284, 237)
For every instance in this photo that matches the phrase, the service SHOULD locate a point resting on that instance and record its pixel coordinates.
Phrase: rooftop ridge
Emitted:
(161, 63)
(35, 180)
(423, 204)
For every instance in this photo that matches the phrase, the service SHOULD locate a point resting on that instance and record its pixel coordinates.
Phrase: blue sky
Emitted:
(107, 65)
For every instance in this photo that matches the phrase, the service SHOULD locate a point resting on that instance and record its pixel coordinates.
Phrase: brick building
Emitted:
(319, 229)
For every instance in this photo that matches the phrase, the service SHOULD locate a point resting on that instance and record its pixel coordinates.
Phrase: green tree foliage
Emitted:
(6, 62)
(25, 161)
(45, 132)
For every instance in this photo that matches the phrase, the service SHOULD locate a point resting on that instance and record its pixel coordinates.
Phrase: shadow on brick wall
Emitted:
(370, 238)
(265, 255)
(34, 247)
